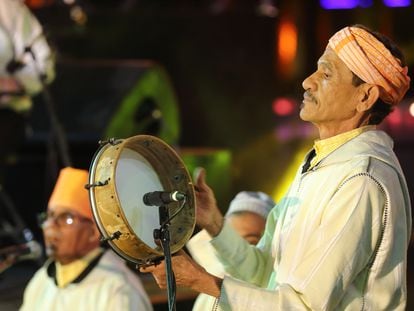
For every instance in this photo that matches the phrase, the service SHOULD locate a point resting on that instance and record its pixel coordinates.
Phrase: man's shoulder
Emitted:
(111, 263)
(114, 269)
(366, 151)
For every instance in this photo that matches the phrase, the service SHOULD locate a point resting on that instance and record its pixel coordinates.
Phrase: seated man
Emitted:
(247, 215)
(79, 275)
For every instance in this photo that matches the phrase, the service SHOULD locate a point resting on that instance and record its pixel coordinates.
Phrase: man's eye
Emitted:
(69, 220)
(66, 218)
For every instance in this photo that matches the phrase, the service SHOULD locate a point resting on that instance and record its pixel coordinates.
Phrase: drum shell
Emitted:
(106, 204)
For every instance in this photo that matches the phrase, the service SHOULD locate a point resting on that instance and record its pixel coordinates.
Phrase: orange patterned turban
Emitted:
(372, 62)
(70, 191)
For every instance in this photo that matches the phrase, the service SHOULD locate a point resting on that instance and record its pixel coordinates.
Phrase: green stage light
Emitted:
(150, 107)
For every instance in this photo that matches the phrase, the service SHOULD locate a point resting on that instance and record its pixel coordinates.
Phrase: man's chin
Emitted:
(303, 115)
(50, 252)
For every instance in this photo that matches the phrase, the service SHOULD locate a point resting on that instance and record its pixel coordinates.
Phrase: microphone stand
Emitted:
(57, 134)
(163, 235)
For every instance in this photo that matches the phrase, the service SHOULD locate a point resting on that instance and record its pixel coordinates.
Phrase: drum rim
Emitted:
(92, 172)
(121, 144)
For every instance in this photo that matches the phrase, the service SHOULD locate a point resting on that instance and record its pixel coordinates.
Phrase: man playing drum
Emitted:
(338, 239)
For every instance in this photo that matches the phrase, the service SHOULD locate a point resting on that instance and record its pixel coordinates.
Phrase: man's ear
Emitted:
(369, 94)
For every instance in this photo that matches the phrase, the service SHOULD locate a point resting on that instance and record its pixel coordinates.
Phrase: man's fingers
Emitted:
(199, 177)
(152, 268)
(158, 272)
(147, 269)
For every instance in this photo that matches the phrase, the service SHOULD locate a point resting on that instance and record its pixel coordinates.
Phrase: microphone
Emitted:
(27, 251)
(160, 198)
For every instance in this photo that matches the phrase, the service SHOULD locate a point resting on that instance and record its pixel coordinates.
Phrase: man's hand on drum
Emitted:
(187, 273)
(208, 215)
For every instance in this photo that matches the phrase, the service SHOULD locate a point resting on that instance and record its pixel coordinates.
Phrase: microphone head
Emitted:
(147, 198)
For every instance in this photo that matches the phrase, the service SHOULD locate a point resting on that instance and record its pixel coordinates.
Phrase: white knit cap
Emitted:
(249, 201)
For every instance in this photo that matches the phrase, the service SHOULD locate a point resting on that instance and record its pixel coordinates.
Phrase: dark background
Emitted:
(224, 70)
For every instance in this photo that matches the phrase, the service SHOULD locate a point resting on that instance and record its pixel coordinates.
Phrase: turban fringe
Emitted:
(372, 62)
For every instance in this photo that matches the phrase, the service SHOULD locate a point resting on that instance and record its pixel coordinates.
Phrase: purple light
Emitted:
(339, 4)
(365, 3)
(345, 4)
(351, 4)
(397, 3)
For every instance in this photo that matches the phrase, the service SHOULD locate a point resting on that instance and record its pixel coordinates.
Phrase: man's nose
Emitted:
(309, 83)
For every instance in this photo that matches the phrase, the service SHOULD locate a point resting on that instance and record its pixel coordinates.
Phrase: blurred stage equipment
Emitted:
(264, 7)
(25, 55)
(27, 251)
(13, 254)
(13, 230)
(76, 11)
(267, 8)
(99, 99)
(26, 66)
(35, 4)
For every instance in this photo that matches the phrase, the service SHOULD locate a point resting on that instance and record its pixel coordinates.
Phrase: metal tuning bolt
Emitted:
(97, 184)
(112, 141)
(114, 236)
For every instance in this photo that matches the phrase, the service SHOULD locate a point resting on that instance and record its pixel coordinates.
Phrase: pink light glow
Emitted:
(283, 106)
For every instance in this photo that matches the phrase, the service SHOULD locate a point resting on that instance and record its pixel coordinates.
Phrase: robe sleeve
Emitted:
(342, 247)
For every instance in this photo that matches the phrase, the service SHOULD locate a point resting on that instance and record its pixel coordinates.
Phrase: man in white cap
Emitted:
(247, 214)
(79, 274)
(338, 239)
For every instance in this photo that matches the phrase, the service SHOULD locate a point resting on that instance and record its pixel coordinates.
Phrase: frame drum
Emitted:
(121, 173)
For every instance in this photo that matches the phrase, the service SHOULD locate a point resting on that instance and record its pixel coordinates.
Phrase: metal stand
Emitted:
(57, 131)
(163, 235)
(57, 134)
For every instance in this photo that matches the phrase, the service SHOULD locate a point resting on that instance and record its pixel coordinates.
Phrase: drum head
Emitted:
(121, 173)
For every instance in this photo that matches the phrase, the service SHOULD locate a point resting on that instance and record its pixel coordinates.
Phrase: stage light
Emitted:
(78, 15)
(36, 4)
(351, 4)
(339, 4)
(282, 185)
(365, 3)
(344, 4)
(397, 3)
(283, 106)
(287, 43)
(411, 109)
